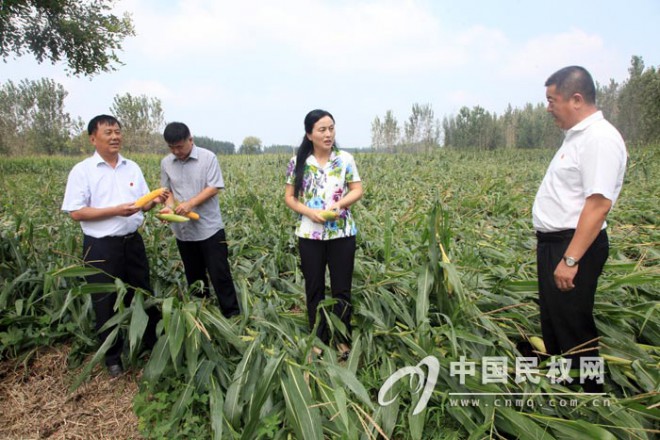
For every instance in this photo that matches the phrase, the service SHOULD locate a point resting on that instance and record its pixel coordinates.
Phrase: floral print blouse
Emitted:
(322, 186)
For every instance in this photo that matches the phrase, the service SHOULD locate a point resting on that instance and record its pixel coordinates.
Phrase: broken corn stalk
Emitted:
(615, 359)
(445, 259)
(174, 218)
(149, 197)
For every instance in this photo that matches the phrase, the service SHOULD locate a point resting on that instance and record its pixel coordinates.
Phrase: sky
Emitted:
(236, 68)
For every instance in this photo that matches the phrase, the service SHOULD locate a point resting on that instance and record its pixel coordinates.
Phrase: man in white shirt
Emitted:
(580, 187)
(100, 194)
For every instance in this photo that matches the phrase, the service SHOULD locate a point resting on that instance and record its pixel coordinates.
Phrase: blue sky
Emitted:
(231, 69)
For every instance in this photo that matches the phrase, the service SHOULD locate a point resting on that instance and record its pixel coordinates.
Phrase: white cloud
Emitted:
(541, 56)
(339, 36)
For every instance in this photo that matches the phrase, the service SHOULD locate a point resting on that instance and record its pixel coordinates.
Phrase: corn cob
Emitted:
(537, 343)
(149, 197)
(328, 215)
(175, 218)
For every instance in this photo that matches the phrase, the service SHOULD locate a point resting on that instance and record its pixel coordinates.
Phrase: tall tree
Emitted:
(85, 34)
(607, 98)
(535, 128)
(391, 132)
(377, 142)
(32, 117)
(639, 101)
(142, 122)
(251, 145)
(421, 130)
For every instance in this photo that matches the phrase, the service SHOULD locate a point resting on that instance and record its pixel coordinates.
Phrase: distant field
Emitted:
(252, 378)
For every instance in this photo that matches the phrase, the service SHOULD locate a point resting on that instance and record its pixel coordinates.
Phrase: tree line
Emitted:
(33, 120)
(633, 107)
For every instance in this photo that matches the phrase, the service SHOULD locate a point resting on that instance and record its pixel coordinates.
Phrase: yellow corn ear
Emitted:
(328, 215)
(149, 197)
(537, 343)
(174, 218)
(445, 259)
(192, 215)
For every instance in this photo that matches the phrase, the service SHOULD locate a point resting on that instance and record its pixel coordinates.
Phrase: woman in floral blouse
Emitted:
(323, 178)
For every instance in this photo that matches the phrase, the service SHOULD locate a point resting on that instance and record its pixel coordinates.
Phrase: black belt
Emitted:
(556, 236)
(126, 237)
(560, 236)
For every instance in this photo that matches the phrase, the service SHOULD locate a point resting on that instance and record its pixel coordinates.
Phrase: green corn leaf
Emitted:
(98, 356)
(233, 401)
(176, 332)
(303, 417)
(424, 288)
(266, 380)
(216, 403)
(139, 320)
(158, 360)
(349, 379)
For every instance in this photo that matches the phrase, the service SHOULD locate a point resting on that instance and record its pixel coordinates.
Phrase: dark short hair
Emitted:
(175, 132)
(101, 120)
(571, 80)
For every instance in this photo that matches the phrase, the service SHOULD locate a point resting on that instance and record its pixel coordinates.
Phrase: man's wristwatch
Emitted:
(570, 261)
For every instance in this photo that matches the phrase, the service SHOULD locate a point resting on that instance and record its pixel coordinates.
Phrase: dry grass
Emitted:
(35, 402)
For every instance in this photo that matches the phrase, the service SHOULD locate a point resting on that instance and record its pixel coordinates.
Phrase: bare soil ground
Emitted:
(35, 402)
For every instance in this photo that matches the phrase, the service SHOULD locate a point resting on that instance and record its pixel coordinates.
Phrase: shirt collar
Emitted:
(98, 160)
(586, 122)
(311, 160)
(194, 154)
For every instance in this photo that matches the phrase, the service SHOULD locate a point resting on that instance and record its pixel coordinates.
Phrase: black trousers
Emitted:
(567, 319)
(124, 258)
(339, 255)
(211, 255)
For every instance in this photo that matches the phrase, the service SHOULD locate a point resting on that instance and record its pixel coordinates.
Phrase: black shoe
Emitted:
(115, 370)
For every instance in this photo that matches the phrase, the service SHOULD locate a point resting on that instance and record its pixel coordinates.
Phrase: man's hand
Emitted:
(183, 208)
(162, 198)
(564, 276)
(127, 209)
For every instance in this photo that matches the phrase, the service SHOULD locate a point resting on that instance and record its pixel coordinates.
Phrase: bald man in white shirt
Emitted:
(579, 189)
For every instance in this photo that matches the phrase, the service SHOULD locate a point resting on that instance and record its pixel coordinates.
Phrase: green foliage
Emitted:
(83, 34)
(142, 121)
(32, 118)
(639, 99)
(255, 376)
(218, 147)
(250, 145)
(421, 132)
(280, 149)
(476, 128)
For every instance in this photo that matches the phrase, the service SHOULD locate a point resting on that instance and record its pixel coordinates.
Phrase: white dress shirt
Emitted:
(591, 160)
(94, 183)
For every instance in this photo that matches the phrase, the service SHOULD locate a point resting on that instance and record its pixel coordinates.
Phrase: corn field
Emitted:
(445, 267)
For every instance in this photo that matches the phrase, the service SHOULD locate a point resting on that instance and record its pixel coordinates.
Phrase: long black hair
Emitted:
(306, 147)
